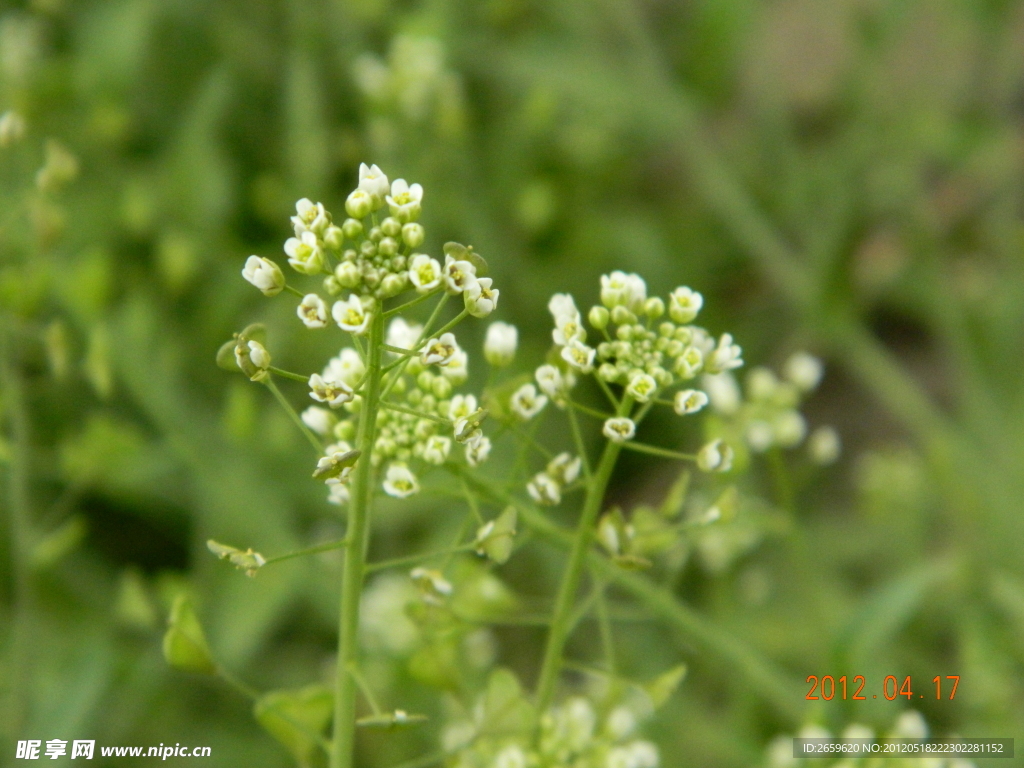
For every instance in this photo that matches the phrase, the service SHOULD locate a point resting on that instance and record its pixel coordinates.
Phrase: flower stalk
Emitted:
(357, 538)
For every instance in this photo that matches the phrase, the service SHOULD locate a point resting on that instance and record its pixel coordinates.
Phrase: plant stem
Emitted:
(410, 304)
(327, 546)
(418, 558)
(653, 450)
(357, 535)
(20, 542)
(288, 374)
(560, 625)
(313, 439)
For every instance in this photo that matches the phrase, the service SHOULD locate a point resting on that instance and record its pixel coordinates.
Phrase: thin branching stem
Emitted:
(310, 436)
(327, 546)
(653, 450)
(417, 558)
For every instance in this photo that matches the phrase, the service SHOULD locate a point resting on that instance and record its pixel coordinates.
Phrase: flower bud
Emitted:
(387, 247)
(392, 285)
(622, 316)
(413, 235)
(598, 317)
(253, 358)
(359, 204)
(495, 538)
(654, 308)
(352, 228)
(824, 446)
(347, 274)
(391, 226)
(716, 456)
(500, 344)
(333, 237)
(264, 274)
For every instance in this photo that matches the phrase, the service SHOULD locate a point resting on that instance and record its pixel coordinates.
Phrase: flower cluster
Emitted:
(546, 487)
(572, 734)
(421, 416)
(766, 413)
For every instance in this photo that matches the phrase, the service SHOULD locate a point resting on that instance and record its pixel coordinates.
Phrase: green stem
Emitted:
(574, 406)
(559, 632)
(327, 546)
(608, 392)
(20, 542)
(413, 412)
(655, 451)
(295, 291)
(410, 304)
(288, 374)
(412, 559)
(402, 362)
(357, 535)
(313, 439)
(577, 436)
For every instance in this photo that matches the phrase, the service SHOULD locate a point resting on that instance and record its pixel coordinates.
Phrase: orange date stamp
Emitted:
(829, 687)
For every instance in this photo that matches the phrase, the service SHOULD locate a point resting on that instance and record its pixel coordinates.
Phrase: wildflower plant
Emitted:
(390, 410)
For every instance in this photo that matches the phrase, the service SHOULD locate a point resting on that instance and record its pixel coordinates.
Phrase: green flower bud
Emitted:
(413, 235)
(345, 430)
(442, 388)
(391, 226)
(387, 247)
(331, 285)
(376, 234)
(425, 381)
(654, 307)
(333, 237)
(598, 317)
(392, 285)
(352, 228)
(622, 316)
(359, 204)
(368, 248)
(347, 274)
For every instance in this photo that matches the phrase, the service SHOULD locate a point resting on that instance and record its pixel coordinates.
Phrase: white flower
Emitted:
(761, 384)
(824, 446)
(312, 217)
(439, 351)
(347, 367)
(689, 401)
(264, 274)
(723, 392)
(403, 335)
(457, 371)
(564, 468)
(480, 298)
(337, 494)
(478, 448)
(759, 435)
(568, 328)
(725, 357)
(562, 305)
(404, 201)
(544, 490)
(436, 449)
(432, 584)
(684, 304)
(550, 380)
(620, 289)
(511, 756)
(305, 253)
(689, 363)
(636, 292)
(424, 273)
(334, 393)
(253, 354)
(619, 429)
(500, 344)
(461, 407)
(373, 182)
(804, 370)
(620, 723)
(638, 754)
(789, 428)
(526, 402)
(320, 420)
(716, 456)
(312, 311)
(641, 387)
(351, 316)
(400, 482)
(458, 275)
(579, 356)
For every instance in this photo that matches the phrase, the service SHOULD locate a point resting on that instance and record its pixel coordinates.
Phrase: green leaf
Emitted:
(506, 709)
(185, 645)
(297, 719)
(665, 684)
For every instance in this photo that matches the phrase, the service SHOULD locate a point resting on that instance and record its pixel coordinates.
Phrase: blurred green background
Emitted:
(840, 176)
